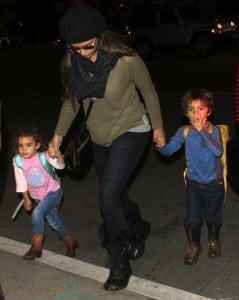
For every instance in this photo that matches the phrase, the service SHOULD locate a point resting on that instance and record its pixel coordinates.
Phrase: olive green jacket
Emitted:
(121, 108)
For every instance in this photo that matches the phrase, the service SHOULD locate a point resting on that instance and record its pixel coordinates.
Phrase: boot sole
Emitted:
(214, 255)
(32, 257)
(110, 286)
(190, 263)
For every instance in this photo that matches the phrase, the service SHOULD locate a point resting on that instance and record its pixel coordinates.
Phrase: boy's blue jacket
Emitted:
(202, 153)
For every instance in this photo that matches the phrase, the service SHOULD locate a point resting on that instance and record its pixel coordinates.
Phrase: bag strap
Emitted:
(187, 128)
(83, 124)
(89, 109)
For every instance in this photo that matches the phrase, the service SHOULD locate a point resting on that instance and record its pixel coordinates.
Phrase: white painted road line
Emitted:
(137, 285)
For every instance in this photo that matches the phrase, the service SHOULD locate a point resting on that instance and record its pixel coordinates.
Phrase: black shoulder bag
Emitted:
(79, 148)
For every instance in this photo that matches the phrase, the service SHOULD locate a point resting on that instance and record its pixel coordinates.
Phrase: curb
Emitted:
(136, 285)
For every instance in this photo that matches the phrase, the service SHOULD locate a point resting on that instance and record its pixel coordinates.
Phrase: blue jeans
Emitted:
(48, 208)
(115, 164)
(203, 201)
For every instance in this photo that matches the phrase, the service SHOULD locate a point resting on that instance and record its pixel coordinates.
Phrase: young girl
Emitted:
(36, 180)
(204, 175)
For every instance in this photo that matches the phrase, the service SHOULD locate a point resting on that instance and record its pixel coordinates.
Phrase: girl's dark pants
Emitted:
(203, 201)
(115, 165)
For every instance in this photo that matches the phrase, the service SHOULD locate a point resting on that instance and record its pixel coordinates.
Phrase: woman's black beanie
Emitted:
(80, 23)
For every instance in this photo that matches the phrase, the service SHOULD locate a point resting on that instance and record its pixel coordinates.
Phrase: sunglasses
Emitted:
(85, 47)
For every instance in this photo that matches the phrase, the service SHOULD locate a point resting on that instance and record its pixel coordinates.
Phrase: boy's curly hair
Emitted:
(197, 94)
(29, 131)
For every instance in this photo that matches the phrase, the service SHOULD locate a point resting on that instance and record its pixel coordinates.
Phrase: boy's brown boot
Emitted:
(36, 248)
(195, 248)
(71, 245)
(213, 248)
(214, 245)
(192, 255)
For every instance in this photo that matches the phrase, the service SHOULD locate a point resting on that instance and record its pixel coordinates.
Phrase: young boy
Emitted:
(204, 173)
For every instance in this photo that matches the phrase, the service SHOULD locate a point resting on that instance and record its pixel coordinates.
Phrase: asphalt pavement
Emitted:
(157, 186)
(62, 278)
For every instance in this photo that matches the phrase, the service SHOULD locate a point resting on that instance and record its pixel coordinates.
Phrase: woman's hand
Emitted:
(159, 137)
(54, 145)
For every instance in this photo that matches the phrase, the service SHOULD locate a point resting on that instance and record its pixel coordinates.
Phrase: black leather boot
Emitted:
(119, 264)
(214, 245)
(104, 236)
(140, 231)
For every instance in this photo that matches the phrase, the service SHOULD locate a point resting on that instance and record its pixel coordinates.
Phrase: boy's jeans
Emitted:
(48, 208)
(203, 200)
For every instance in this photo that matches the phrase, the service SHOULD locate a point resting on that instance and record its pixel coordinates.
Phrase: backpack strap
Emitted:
(224, 129)
(18, 160)
(49, 168)
(42, 155)
(210, 127)
(185, 134)
(187, 128)
(186, 131)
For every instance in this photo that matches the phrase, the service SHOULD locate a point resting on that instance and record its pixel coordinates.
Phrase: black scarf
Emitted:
(89, 78)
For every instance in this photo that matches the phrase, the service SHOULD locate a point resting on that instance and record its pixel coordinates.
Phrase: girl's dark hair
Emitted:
(198, 94)
(29, 131)
(109, 42)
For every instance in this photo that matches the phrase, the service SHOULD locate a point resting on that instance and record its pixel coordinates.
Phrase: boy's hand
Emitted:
(199, 123)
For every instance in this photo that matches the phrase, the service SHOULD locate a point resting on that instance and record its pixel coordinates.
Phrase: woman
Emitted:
(99, 66)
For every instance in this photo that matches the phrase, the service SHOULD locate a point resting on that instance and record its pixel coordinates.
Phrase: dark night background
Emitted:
(31, 92)
(35, 22)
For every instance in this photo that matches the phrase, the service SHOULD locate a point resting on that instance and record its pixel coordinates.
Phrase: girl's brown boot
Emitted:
(71, 245)
(36, 248)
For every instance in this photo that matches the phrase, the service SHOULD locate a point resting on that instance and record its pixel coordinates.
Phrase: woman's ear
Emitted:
(38, 146)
